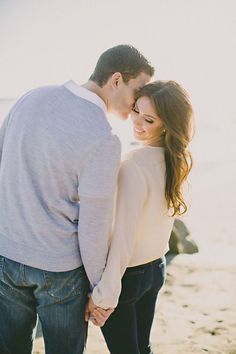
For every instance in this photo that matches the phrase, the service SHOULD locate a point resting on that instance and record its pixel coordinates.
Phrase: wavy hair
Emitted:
(172, 105)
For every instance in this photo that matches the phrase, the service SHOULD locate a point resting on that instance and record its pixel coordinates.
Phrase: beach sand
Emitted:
(196, 310)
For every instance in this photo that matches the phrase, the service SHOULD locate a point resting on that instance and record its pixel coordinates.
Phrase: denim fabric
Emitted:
(59, 299)
(127, 331)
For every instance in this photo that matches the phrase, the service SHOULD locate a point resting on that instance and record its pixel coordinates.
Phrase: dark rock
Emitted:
(180, 239)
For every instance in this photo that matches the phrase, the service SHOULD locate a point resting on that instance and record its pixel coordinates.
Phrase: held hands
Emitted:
(96, 314)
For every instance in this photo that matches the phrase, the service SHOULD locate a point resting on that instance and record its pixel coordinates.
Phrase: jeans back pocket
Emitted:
(131, 285)
(62, 285)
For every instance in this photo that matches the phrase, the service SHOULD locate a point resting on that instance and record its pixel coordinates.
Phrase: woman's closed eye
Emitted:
(149, 120)
(146, 117)
(135, 109)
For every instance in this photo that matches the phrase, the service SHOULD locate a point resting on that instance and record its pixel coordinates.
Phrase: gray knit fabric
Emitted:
(57, 152)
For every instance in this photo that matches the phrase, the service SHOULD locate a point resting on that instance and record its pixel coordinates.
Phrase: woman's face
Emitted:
(147, 126)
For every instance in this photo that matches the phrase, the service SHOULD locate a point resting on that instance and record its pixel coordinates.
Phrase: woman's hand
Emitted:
(100, 316)
(96, 314)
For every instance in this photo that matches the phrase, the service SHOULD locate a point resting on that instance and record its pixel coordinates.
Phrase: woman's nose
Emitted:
(137, 119)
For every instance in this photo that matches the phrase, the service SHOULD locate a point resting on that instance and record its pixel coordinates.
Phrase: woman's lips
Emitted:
(138, 131)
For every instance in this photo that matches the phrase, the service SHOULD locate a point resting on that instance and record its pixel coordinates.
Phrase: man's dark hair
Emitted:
(124, 59)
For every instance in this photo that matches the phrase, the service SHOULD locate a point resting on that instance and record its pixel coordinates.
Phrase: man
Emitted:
(57, 152)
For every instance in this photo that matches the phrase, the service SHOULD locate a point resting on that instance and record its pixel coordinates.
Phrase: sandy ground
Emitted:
(196, 312)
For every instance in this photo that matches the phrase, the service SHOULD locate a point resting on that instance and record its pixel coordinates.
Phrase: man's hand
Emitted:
(89, 309)
(96, 314)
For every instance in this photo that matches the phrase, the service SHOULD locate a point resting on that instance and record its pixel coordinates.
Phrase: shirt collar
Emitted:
(86, 94)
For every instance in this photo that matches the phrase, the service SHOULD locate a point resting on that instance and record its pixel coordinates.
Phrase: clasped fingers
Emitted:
(100, 316)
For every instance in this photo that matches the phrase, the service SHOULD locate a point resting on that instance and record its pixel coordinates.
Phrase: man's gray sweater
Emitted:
(58, 166)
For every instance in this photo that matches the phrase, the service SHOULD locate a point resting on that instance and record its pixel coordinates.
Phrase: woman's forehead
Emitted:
(145, 106)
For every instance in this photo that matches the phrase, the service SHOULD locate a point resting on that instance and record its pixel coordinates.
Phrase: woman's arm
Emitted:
(131, 196)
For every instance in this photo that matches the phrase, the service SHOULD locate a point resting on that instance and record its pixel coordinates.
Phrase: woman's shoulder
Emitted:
(144, 155)
(132, 159)
(131, 172)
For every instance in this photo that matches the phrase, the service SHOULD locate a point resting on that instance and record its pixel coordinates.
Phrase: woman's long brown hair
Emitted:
(173, 107)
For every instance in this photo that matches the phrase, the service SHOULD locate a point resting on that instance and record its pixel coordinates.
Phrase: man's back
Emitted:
(51, 139)
(59, 163)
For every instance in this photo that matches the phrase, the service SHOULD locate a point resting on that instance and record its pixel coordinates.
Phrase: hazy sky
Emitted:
(192, 41)
(50, 41)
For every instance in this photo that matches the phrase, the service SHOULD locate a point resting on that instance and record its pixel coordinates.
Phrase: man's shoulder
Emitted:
(41, 90)
(110, 143)
(113, 140)
(37, 93)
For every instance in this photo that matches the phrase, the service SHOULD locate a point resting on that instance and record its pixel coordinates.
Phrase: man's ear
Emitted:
(116, 79)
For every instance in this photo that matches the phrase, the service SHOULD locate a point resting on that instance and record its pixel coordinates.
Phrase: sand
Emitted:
(196, 311)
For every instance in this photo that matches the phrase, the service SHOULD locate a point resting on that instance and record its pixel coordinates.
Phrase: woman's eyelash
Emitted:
(134, 109)
(149, 121)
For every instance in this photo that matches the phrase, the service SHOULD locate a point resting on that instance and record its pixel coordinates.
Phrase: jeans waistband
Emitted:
(141, 266)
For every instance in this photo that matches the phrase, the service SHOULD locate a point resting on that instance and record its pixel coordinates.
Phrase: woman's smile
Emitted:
(138, 130)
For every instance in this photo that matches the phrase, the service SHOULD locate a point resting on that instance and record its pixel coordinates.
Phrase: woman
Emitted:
(149, 196)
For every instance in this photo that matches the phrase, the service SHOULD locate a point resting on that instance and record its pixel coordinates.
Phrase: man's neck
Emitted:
(93, 87)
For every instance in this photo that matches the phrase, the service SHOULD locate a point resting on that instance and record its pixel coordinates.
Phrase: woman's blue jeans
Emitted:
(59, 299)
(127, 331)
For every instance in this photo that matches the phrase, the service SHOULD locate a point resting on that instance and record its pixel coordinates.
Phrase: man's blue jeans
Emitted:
(59, 299)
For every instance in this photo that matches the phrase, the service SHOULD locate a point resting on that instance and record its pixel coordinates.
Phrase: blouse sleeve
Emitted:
(131, 196)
